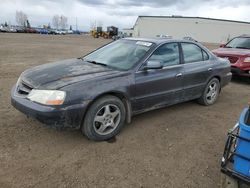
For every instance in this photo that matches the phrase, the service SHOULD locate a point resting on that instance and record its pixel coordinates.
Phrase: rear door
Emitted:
(197, 70)
(155, 88)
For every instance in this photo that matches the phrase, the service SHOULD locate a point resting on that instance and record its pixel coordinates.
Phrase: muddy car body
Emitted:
(93, 95)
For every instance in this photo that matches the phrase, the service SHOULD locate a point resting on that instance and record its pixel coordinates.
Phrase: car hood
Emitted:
(232, 51)
(59, 74)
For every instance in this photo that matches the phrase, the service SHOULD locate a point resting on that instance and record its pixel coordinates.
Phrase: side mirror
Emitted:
(222, 45)
(153, 64)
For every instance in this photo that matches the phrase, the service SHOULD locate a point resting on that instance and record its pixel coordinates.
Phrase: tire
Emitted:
(211, 92)
(104, 119)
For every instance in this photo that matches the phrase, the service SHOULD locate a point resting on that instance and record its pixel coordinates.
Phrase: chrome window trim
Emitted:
(138, 70)
(167, 67)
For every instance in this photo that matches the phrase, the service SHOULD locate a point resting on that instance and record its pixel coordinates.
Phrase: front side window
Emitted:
(191, 53)
(121, 54)
(167, 54)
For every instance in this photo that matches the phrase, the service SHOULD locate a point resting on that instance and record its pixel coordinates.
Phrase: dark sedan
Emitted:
(101, 91)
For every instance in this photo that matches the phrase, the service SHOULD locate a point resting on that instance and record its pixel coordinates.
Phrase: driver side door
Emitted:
(160, 87)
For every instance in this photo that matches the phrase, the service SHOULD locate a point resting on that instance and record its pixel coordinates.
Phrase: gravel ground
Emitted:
(179, 146)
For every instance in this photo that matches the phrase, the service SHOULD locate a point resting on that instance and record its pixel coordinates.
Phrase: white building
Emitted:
(128, 32)
(202, 29)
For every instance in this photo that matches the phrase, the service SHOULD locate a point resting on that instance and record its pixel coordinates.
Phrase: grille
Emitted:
(23, 88)
(232, 59)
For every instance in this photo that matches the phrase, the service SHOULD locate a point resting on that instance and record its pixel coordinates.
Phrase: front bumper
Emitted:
(69, 116)
(237, 71)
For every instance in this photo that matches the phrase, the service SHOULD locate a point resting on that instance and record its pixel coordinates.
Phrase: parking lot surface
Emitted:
(179, 146)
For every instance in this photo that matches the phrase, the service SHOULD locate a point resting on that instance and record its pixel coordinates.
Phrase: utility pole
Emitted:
(76, 24)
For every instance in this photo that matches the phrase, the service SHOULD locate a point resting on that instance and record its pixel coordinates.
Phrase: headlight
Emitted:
(18, 81)
(47, 97)
(247, 60)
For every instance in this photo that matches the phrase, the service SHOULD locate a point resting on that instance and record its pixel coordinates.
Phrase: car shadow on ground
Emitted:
(157, 116)
(145, 120)
(241, 80)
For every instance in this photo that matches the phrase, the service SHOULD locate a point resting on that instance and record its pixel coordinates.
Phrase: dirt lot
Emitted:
(179, 146)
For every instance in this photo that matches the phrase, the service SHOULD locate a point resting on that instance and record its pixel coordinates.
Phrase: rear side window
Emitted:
(205, 55)
(167, 54)
(193, 53)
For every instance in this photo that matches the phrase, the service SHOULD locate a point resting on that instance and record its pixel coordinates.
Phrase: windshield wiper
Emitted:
(80, 58)
(97, 63)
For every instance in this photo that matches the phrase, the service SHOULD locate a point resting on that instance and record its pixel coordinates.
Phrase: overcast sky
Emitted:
(122, 13)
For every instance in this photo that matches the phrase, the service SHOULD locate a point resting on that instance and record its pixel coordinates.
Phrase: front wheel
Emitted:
(104, 119)
(211, 92)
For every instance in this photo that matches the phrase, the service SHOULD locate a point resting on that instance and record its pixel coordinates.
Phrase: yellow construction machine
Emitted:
(111, 31)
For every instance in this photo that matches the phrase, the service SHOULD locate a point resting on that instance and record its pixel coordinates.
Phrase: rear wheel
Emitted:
(210, 93)
(104, 119)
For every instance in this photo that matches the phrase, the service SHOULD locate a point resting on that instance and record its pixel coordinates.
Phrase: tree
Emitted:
(21, 18)
(63, 22)
(56, 21)
(93, 25)
(60, 21)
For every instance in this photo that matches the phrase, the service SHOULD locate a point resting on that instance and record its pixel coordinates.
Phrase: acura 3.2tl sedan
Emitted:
(101, 91)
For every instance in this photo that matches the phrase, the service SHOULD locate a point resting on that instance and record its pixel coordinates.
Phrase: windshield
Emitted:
(239, 42)
(122, 54)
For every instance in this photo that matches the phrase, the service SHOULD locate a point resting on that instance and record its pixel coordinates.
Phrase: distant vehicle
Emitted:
(3, 29)
(12, 30)
(60, 32)
(108, 34)
(29, 30)
(42, 31)
(51, 32)
(111, 32)
(119, 36)
(76, 32)
(189, 39)
(237, 51)
(70, 32)
(97, 32)
(63, 32)
(101, 91)
(20, 30)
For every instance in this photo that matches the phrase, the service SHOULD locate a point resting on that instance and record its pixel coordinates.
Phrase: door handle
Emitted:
(210, 69)
(178, 75)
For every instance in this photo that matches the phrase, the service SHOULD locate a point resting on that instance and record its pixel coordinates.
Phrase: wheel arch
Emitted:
(119, 95)
(216, 76)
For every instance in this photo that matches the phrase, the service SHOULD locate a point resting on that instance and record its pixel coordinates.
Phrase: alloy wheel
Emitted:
(107, 119)
(212, 92)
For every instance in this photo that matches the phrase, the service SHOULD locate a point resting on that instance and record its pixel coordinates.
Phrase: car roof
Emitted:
(157, 40)
(244, 36)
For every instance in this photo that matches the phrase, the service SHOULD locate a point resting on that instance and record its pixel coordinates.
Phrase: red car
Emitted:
(237, 51)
